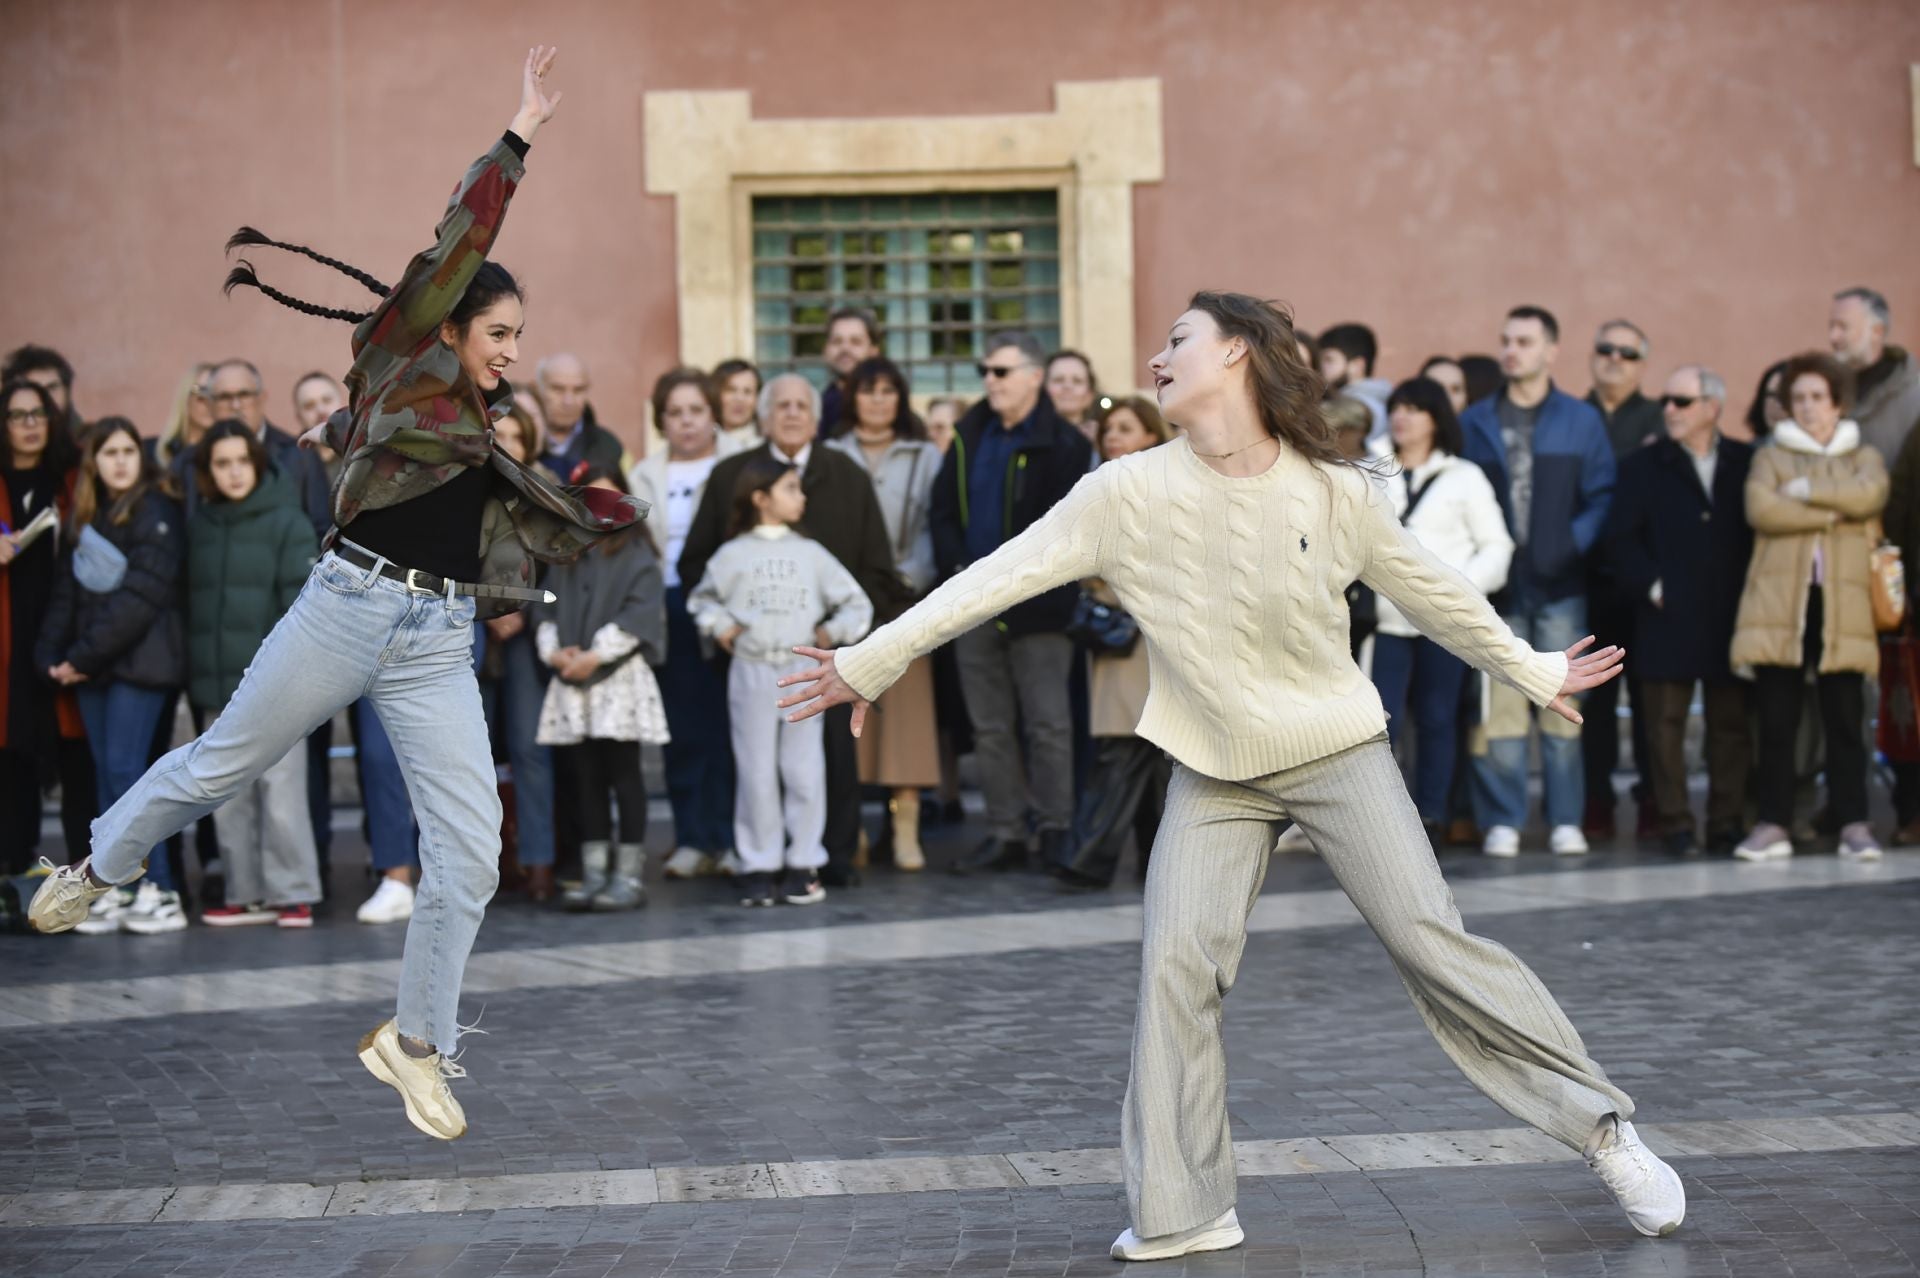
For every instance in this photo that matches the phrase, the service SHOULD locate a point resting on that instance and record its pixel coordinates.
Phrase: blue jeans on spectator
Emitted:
(699, 758)
(517, 695)
(1417, 675)
(1500, 779)
(351, 634)
(391, 833)
(121, 720)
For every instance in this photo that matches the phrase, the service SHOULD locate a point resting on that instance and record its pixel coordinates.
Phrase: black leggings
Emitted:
(600, 766)
(1779, 692)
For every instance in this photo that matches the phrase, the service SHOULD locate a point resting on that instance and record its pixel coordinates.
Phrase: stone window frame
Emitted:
(707, 151)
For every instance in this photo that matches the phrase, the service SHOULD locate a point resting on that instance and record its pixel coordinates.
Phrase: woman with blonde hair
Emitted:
(189, 419)
(1231, 547)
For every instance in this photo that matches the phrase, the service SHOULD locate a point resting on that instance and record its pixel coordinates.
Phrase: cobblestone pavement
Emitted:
(1716, 1010)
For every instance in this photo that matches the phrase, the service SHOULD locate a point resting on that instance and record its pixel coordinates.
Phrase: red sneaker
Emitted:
(296, 916)
(237, 916)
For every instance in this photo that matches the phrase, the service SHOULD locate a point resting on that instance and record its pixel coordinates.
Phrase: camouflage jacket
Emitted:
(414, 417)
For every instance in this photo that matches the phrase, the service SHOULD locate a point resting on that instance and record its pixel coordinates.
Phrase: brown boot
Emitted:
(539, 883)
(907, 854)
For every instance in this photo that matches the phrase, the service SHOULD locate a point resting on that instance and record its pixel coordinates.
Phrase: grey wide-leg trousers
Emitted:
(1491, 1015)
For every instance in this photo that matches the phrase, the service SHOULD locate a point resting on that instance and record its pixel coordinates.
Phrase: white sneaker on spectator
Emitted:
(154, 911)
(1857, 843)
(730, 864)
(1567, 840)
(391, 902)
(689, 863)
(1216, 1235)
(1293, 839)
(1649, 1190)
(1502, 840)
(105, 913)
(1768, 842)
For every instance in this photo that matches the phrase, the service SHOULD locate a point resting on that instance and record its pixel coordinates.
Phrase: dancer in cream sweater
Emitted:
(1231, 547)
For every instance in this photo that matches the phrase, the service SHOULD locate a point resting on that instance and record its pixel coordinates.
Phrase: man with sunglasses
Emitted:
(1012, 458)
(1678, 539)
(1620, 351)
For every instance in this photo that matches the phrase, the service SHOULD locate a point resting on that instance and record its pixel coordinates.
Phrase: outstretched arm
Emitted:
(1062, 546)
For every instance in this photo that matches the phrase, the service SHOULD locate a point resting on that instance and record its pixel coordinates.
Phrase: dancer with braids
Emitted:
(432, 521)
(1232, 548)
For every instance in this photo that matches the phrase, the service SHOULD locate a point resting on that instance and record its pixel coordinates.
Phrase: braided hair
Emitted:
(247, 237)
(489, 284)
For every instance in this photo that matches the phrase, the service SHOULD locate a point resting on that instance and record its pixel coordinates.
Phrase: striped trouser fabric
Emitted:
(1488, 1011)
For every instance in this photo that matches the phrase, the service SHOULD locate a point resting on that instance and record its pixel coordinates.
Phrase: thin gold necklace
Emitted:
(1236, 452)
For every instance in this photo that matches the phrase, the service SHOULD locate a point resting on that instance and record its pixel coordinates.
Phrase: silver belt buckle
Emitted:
(412, 586)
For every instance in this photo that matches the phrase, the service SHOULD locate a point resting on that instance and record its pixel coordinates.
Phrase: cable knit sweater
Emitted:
(1237, 585)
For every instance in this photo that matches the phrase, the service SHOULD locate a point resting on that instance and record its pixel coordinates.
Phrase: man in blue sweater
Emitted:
(1550, 461)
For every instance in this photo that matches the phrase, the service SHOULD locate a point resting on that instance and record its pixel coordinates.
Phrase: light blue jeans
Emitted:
(353, 634)
(1500, 779)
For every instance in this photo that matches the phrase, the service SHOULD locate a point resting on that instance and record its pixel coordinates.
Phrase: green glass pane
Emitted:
(1044, 272)
(803, 210)
(927, 379)
(1005, 241)
(808, 244)
(810, 343)
(960, 242)
(1040, 203)
(1043, 239)
(854, 277)
(967, 206)
(1043, 308)
(766, 209)
(885, 208)
(807, 314)
(924, 208)
(770, 279)
(1004, 204)
(807, 279)
(1006, 274)
(877, 275)
(959, 276)
(844, 211)
(769, 244)
(1006, 310)
(770, 314)
(772, 348)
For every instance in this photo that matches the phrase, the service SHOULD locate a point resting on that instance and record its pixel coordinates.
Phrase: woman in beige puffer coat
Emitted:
(1814, 498)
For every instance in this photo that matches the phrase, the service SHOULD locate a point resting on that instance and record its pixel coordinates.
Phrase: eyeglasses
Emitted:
(1607, 350)
(234, 397)
(22, 416)
(1000, 370)
(1679, 401)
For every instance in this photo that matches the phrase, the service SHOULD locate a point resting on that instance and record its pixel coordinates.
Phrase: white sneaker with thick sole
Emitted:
(730, 864)
(1216, 1235)
(689, 863)
(1501, 840)
(154, 911)
(1858, 844)
(391, 902)
(420, 1080)
(1766, 843)
(67, 899)
(1645, 1187)
(1567, 840)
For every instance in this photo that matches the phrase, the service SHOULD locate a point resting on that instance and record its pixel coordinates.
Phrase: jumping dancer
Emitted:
(1231, 547)
(430, 518)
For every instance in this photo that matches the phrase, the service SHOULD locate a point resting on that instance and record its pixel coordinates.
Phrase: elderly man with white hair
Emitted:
(844, 516)
(1678, 541)
(573, 436)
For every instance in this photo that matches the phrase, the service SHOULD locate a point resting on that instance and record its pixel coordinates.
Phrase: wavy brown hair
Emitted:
(1286, 391)
(1838, 377)
(89, 493)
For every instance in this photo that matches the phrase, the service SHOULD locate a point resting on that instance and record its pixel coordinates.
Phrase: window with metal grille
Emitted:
(942, 272)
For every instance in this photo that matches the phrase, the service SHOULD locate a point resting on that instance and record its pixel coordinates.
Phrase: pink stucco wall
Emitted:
(1712, 168)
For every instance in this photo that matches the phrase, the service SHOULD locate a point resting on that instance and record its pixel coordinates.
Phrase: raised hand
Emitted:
(536, 103)
(824, 690)
(1583, 672)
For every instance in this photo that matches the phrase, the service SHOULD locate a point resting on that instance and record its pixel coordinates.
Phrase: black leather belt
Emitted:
(426, 583)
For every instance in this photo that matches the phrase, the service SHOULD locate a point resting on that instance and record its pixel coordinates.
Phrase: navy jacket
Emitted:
(1664, 527)
(1573, 473)
(1044, 470)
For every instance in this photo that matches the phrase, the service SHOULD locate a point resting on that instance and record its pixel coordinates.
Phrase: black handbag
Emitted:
(1102, 628)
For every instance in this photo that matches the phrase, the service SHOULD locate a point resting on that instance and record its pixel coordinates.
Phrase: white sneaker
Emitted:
(420, 1080)
(1217, 1235)
(391, 902)
(104, 914)
(1858, 844)
(1502, 840)
(154, 911)
(1567, 840)
(1768, 842)
(689, 863)
(731, 865)
(1648, 1189)
(1294, 839)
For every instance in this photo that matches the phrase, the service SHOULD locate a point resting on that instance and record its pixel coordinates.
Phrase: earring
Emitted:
(1227, 362)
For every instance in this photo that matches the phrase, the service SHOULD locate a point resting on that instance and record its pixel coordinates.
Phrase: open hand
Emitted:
(1583, 672)
(536, 103)
(823, 690)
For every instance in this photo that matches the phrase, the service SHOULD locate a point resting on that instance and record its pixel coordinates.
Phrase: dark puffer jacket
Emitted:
(134, 633)
(246, 563)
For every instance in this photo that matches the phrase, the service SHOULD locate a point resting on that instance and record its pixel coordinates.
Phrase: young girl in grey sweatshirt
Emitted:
(765, 592)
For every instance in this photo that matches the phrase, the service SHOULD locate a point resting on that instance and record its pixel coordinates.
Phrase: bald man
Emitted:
(573, 436)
